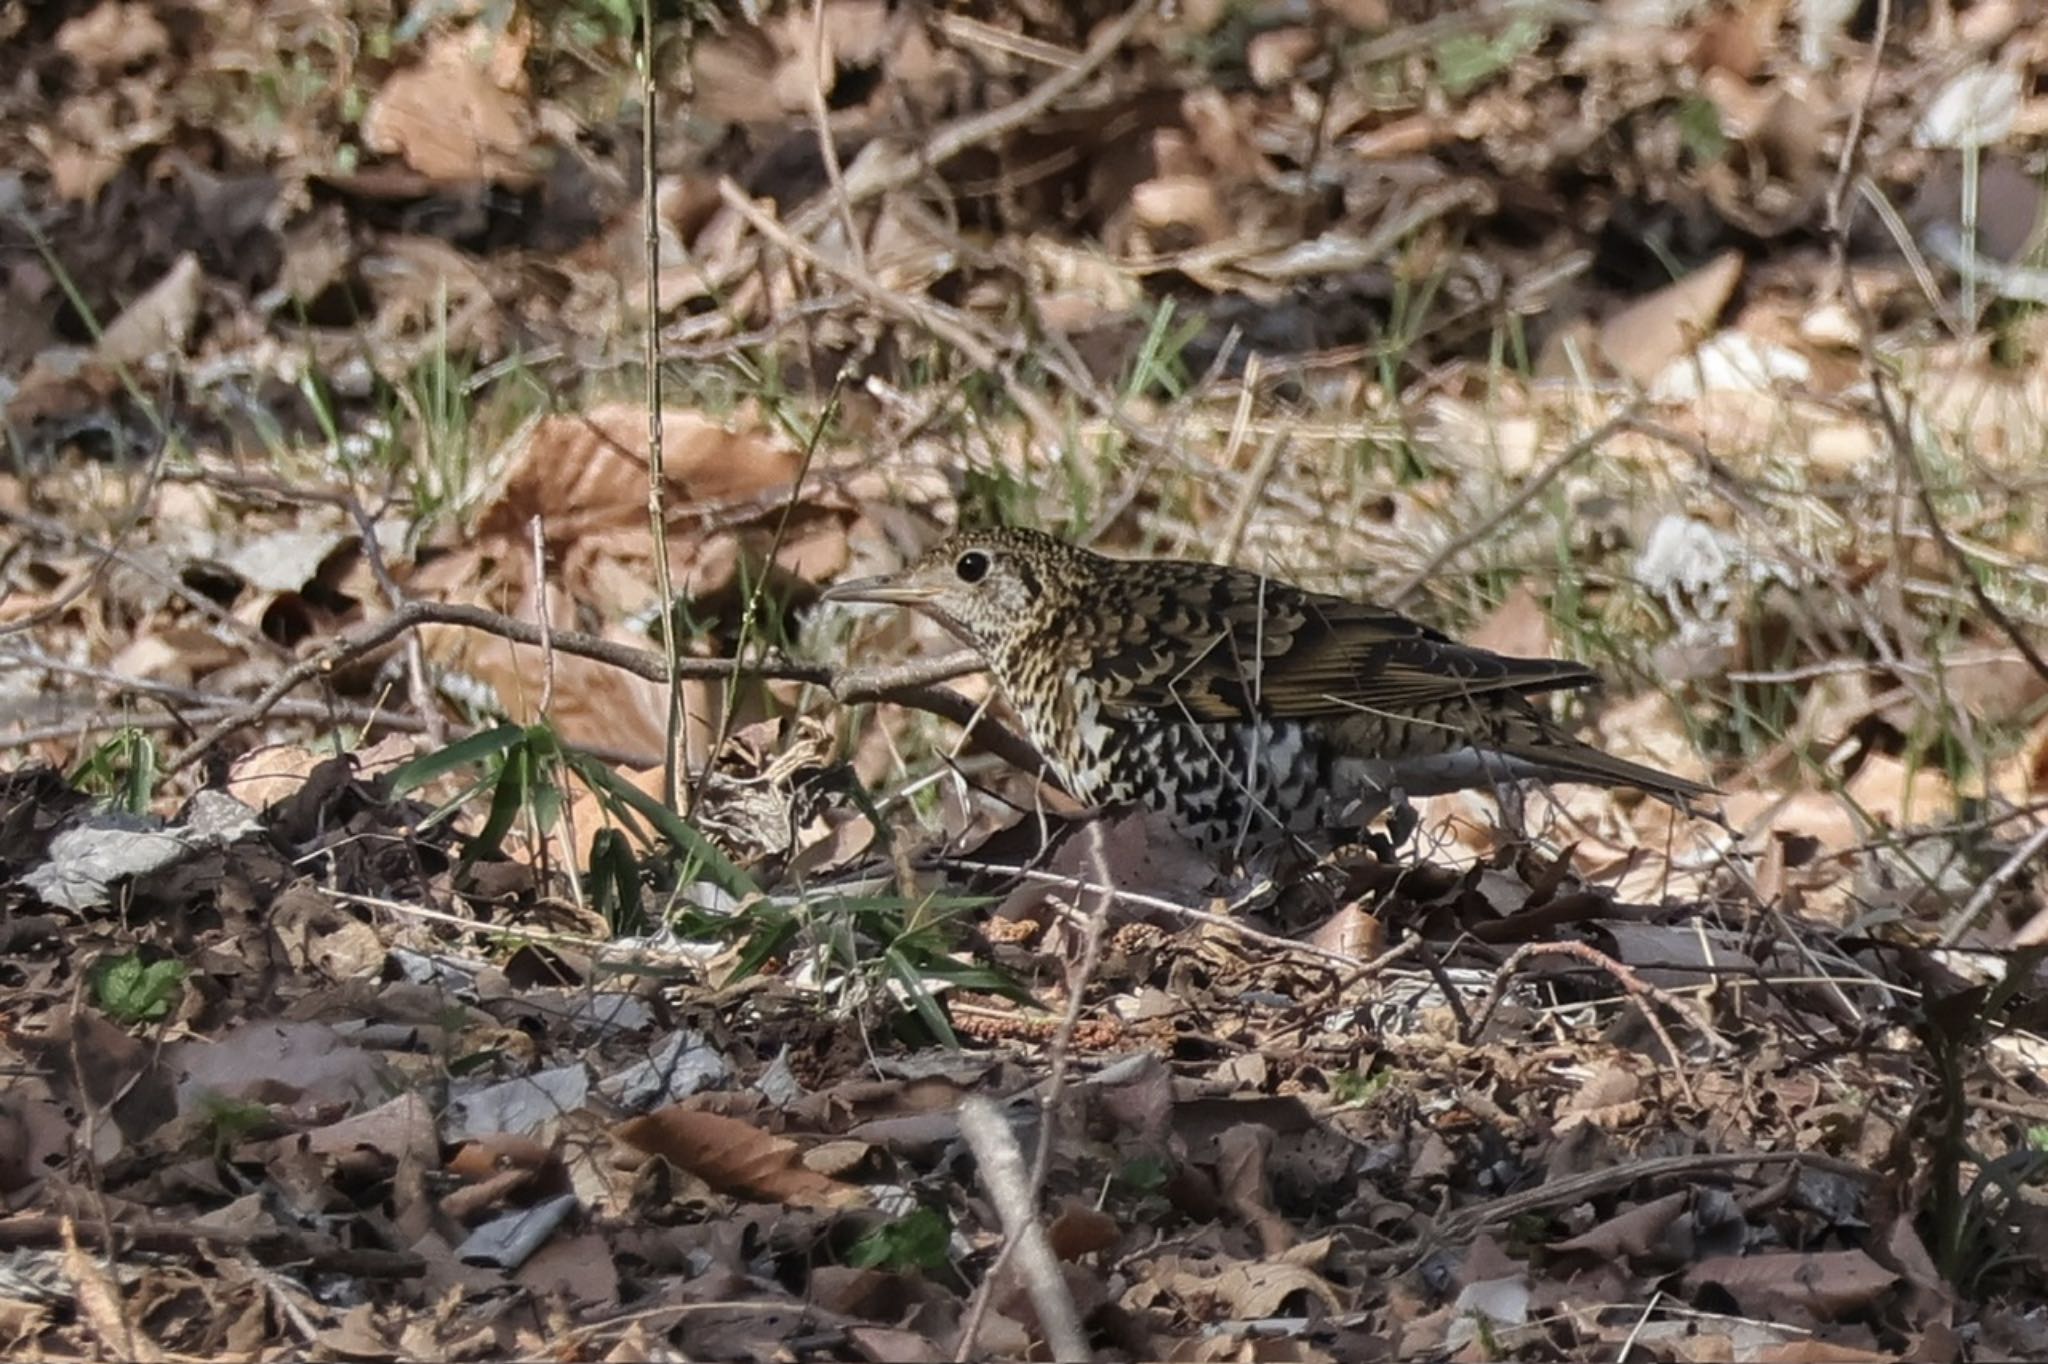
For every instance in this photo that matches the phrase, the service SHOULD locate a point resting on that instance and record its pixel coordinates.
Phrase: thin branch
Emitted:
(1061, 1051)
(1637, 989)
(910, 685)
(1507, 510)
(885, 166)
(1973, 909)
(1002, 1171)
(944, 323)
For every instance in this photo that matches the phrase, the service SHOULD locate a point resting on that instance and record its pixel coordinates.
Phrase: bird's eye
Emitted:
(972, 566)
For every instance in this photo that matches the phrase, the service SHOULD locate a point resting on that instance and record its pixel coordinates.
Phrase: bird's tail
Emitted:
(1562, 759)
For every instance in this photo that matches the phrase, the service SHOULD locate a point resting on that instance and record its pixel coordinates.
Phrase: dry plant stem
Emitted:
(1569, 1189)
(918, 311)
(1639, 990)
(828, 150)
(347, 712)
(56, 532)
(36, 1231)
(417, 685)
(1507, 510)
(1263, 464)
(99, 1300)
(1224, 922)
(657, 512)
(1002, 1170)
(1078, 981)
(1859, 116)
(1965, 918)
(905, 685)
(750, 613)
(883, 166)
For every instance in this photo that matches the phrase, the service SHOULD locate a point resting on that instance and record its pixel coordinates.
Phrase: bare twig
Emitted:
(1078, 980)
(1633, 985)
(1529, 492)
(946, 324)
(417, 686)
(657, 482)
(1002, 1170)
(1973, 909)
(1570, 1189)
(883, 166)
(277, 1248)
(828, 148)
(908, 685)
(1263, 464)
(1223, 922)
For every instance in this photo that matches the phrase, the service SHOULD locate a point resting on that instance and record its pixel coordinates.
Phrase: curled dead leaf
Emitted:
(736, 1157)
(461, 114)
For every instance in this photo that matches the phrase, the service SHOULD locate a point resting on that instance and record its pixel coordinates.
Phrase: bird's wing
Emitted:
(1247, 647)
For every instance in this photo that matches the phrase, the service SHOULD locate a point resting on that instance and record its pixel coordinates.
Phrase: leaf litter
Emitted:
(437, 1046)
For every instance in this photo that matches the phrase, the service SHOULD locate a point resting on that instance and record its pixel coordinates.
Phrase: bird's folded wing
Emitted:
(1305, 656)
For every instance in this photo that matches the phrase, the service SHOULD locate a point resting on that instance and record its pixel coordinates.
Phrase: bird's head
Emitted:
(987, 587)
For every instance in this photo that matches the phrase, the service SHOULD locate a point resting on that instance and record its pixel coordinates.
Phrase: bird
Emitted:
(1244, 708)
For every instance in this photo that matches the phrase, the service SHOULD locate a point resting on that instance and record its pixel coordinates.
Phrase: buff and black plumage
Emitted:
(1240, 705)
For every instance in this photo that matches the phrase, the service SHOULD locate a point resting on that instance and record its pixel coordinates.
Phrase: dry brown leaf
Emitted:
(579, 1270)
(588, 471)
(1253, 1291)
(1519, 627)
(1633, 1234)
(96, 1293)
(1181, 210)
(1078, 1229)
(1352, 930)
(1899, 794)
(1241, 1153)
(112, 37)
(735, 1157)
(462, 113)
(1275, 56)
(1826, 1284)
(158, 323)
(1641, 339)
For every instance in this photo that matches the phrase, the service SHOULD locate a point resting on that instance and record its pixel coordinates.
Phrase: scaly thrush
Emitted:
(1240, 705)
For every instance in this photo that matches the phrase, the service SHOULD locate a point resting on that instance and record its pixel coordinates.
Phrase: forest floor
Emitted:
(365, 996)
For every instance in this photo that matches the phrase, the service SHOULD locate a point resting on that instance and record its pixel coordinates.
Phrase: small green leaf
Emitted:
(1466, 61)
(1700, 131)
(918, 1241)
(456, 756)
(123, 769)
(716, 867)
(615, 883)
(133, 991)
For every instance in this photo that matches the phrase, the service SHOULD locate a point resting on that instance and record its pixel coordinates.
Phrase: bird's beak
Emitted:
(887, 591)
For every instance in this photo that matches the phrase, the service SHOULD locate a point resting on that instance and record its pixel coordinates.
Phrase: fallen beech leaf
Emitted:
(461, 114)
(1519, 627)
(112, 37)
(588, 471)
(1080, 1230)
(158, 322)
(1656, 329)
(1828, 1284)
(735, 1157)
